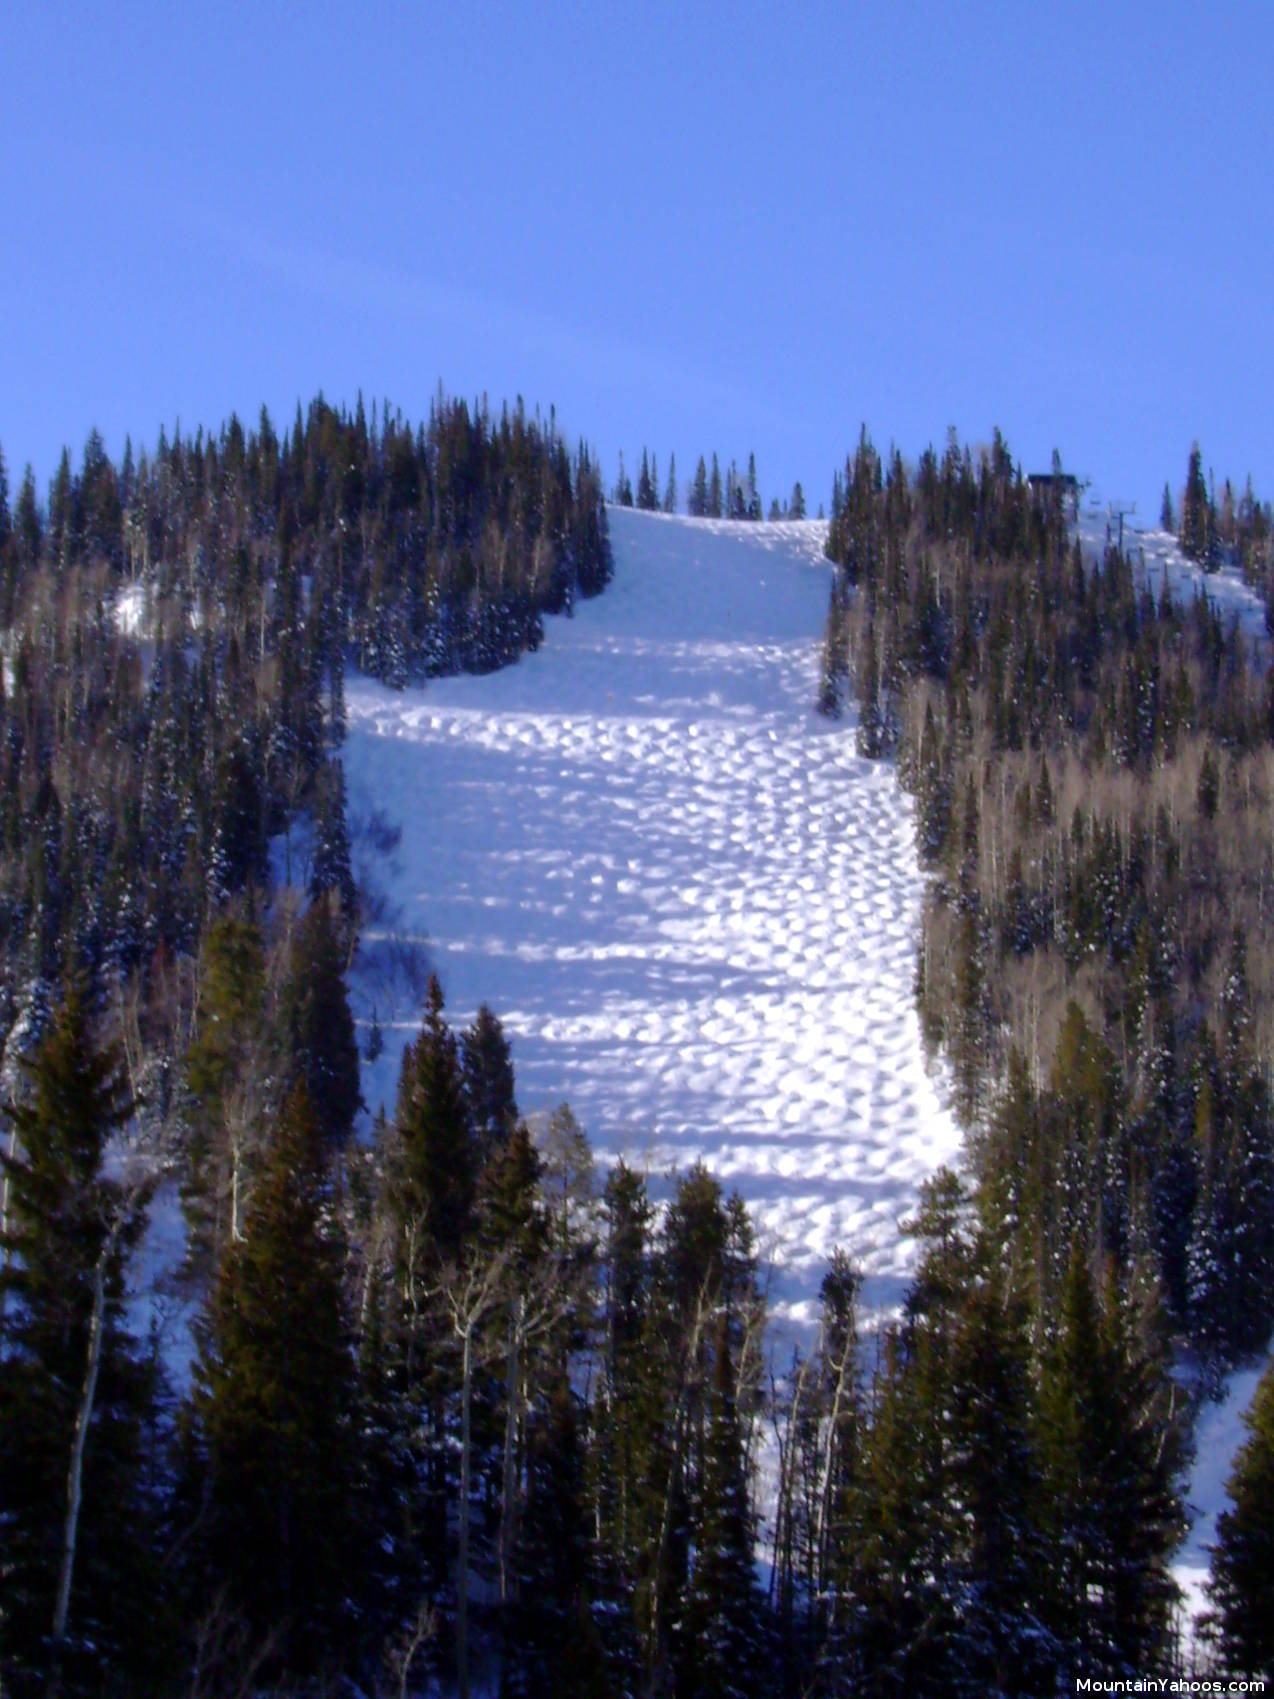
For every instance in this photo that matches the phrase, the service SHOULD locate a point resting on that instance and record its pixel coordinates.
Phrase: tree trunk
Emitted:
(825, 1482)
(4, 1212)
(508, 1519)
(75, 1475)
(462, 1583)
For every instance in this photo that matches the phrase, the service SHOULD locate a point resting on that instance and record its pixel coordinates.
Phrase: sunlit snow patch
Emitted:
(1156, 557)
(694, 907)
(1219, 1433)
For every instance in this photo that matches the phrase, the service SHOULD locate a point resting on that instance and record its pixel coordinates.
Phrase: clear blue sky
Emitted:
(739, 227)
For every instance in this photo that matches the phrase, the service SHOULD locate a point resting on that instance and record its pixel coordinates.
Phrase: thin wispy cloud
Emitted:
(418, 302)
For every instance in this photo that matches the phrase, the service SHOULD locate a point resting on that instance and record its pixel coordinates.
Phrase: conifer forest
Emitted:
(466, 1411)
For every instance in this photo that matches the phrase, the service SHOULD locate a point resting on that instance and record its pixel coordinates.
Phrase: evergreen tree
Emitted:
(232, 1081)
(647, 500)
(488, 1080)
(831, 676)
(753, 492)
(1198, 523)
(1004, 1565)
(5, 522)
(556, 1643)
(871, 734)
(275, 1451)
(713, 508)
(430, 1159)
(1242, 1585)
(670, 488)
(1113, 1515)
(437, 1161)
(317, 1027)
(720, 1644)
(80, 1590)
(237, 855)
(698, 506)
(27, 527)
(330, 867)
(796, 507)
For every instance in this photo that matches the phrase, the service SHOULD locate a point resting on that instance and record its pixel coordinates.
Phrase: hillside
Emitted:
(693, 905)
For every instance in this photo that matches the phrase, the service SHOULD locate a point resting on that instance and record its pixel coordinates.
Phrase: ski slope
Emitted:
(1219, 1432)
(1156, 556)
(693, 906)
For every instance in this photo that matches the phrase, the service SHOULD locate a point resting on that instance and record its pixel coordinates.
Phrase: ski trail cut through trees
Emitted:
(693, 905)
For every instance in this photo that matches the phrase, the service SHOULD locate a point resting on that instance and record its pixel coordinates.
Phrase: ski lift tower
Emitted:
(1118, 511)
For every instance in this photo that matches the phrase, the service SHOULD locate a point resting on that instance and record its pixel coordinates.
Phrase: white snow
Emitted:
(159, 1307)
(132, 613)
(693, 906)
(1156, 554)
(1218, 1434)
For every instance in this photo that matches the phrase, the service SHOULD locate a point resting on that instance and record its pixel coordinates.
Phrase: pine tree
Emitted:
(753, 493)
(698, 506)
(275, 1452)
(556, 1644)
(871, 733)
(317, 1029)
(834, 663)
(1113, 1517)
(1242, 1584)
(819, 1464)
(330, 867)
(895, 1619)
(430, 1160)
(488, 1080)
(232, 1080)
(436, 1167)
(27, 526)
(720, 1648)
(5, 522)
(714, 491)
(1003, 1564)
(237, 853)
(621, 1417)
(646, 499)
(735, 503)
(670, 488)
(80, 1592)
(1198, 524)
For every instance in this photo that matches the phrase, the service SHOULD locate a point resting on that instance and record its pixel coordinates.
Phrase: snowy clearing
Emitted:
(1156, 554)
(693, 906)
(1218, 1434)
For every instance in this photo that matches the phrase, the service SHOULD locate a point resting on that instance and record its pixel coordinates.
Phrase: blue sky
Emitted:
(733, 227)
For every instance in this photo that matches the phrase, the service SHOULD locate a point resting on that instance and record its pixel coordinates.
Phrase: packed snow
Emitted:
(692, 904)
(1218, 1434)
(1156, 555)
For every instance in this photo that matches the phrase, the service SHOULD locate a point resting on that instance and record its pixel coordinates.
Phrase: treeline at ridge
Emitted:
(708, 495)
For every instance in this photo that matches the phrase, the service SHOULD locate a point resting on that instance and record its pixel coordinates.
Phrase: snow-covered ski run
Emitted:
(691, 903)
